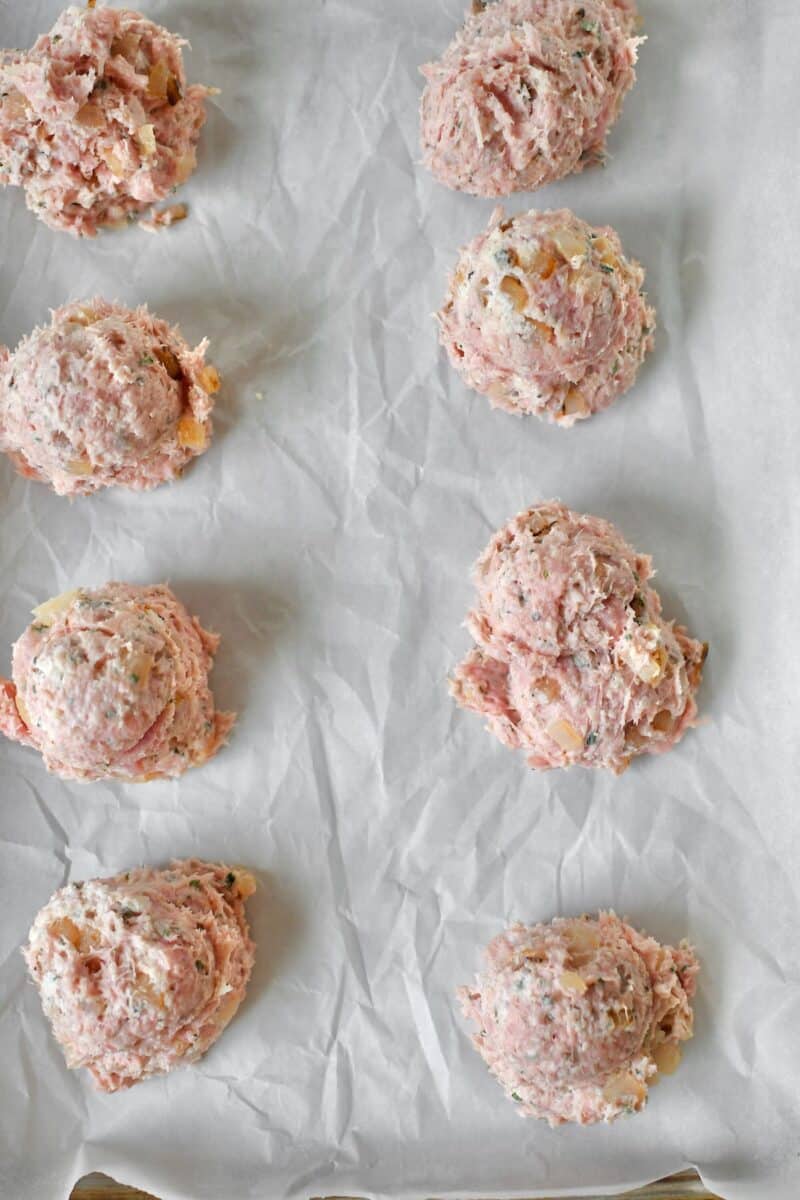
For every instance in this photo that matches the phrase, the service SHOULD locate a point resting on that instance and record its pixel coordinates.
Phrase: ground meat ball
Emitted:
(574, 663)
(578, 1017)
(96, 121)
(141, 973)
(113, 683)
(526, 93)
(545, 315)
(104, 396)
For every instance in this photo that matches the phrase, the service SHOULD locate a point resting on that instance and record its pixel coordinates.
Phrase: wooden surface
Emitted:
(685, 1186)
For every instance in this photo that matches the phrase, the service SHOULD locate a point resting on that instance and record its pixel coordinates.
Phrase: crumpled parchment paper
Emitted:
(328, 536)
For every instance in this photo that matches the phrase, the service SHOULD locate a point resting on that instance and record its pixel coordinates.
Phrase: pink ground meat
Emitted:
(526, 93)
(546, 315)
(104, 396)
(577, 1018)
(96, 121)
(574, 663)
(112, 683)
(141, 973)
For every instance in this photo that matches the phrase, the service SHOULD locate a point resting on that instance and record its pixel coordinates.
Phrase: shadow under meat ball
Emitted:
(526, 93)
(112, 683)
(574, 662)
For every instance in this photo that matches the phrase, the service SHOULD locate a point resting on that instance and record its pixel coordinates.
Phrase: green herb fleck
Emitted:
(591, 738)
(615, 366)
(134, 677)
(230, 879)
(146, 360)
(589, 26)
(516, 1096)
(579, 54)
(195, 883)
(606, 268)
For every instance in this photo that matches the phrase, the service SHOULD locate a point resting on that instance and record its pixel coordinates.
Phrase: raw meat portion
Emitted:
(526, 93)
(141, 972)
(577, 1018)
(546, 315)
(112, 683)
(105, 396)
(574, 662)
(97, 122)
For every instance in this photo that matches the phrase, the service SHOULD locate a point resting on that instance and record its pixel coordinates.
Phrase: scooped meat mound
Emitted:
(526, 93)
(141, 972)
(96, 121)
(105, 396)
(113, 684)
(546, 315)
(577, 1018)
(574, 663)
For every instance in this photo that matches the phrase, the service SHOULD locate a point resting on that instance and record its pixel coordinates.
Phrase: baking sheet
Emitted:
(328, 535)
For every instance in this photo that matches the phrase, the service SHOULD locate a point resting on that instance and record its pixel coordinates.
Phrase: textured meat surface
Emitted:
(97, 122)
(574, 662)
(576, 1018)
(113, 683)
(546, 315)
(526, 93)
(141, 972)
(104, 396)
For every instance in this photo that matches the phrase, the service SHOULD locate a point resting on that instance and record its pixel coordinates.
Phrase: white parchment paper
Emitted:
(328, 536)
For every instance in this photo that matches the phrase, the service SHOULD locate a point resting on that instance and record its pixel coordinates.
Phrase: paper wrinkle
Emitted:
(336, 861)
(328, 535)
(430, 1043)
